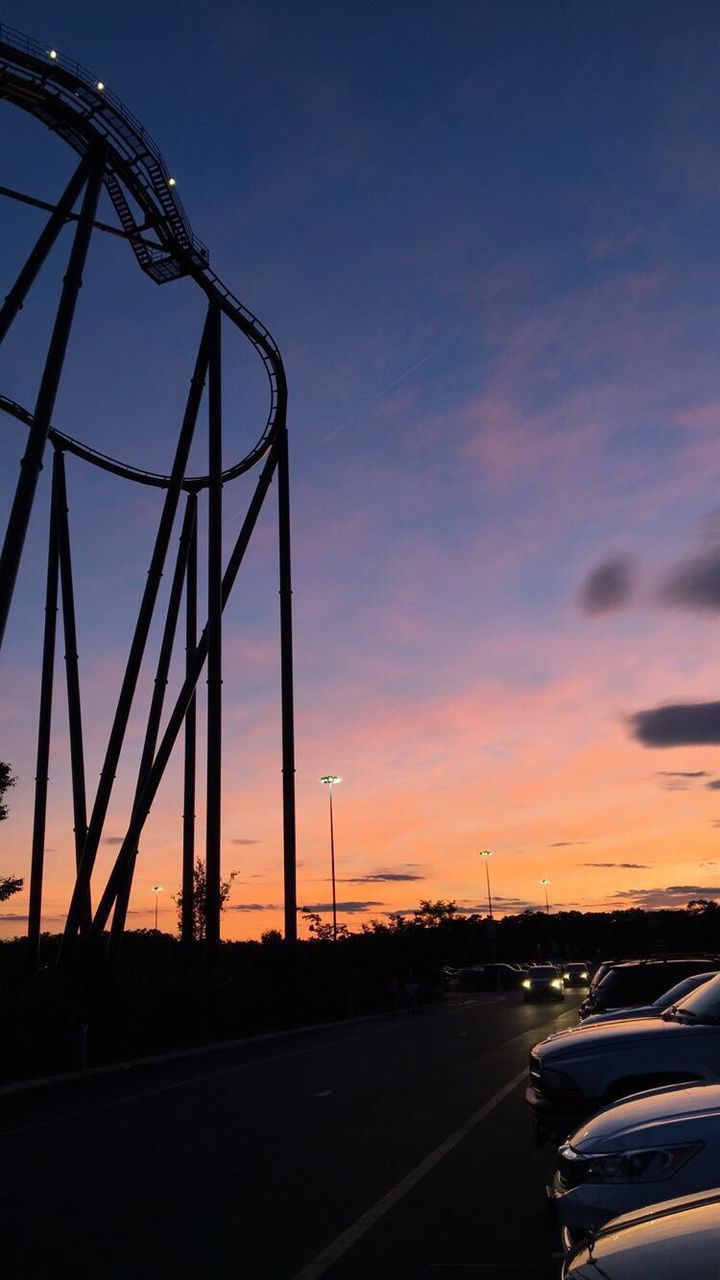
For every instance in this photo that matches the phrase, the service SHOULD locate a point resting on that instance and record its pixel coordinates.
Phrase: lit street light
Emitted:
(545, 884)
(330, 780)
(157, 888)
(486, 855)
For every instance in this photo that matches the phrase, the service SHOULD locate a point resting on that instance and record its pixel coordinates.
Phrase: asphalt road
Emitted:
(388, 1149)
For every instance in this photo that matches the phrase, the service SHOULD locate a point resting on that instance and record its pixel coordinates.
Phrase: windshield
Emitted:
(543, 972)
(703, 1005)
(681, 989)
(576, 968)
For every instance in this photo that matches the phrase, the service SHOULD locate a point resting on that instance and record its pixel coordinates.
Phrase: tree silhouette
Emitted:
(6, 781)
(199, 920)
(8, 884)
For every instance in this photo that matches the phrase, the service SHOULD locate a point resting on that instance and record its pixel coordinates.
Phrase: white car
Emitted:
(648, 1148)
(654, 1010)
(679, 1238)
(575, 1073)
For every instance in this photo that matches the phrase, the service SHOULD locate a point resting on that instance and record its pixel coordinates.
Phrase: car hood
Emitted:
(611, 1035)
(677, 1237)
(682, 1114)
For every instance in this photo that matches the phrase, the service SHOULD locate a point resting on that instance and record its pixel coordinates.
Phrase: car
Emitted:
(674, 996)
(675, 1238)
(642, 981)
(575, 1073)
(662, 1143)
(543, 983)
(576, 975)
(488, 977)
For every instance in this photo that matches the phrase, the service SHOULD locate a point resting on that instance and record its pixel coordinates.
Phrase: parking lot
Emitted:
(395, 1147)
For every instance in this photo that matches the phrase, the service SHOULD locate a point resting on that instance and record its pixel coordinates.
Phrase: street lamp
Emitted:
(486, 854)
(330, 780)
(545, 884)
(157, 888)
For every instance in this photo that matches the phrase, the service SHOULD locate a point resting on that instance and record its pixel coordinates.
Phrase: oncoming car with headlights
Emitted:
(658, 1144)
(543, 983)
(576, 975)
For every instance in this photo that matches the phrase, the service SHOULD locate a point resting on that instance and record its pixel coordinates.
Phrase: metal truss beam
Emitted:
(32, 461)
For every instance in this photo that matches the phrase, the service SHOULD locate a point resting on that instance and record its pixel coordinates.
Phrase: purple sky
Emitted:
(485, 238)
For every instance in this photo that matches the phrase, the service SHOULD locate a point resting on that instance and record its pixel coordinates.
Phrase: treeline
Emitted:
(162, 996)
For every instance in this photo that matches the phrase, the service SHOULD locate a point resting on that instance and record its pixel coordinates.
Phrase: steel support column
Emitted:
(156, 706)
(287, 697)
(72, 675)
(182, 703)
(61, 212)
(213, 813)
(43, 741)
(187, 923)
(137, 648)
(31, 464)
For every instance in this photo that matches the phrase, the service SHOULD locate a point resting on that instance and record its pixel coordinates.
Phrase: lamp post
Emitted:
(485, 854)
(157, 888)
(545, 884)
(330, 780)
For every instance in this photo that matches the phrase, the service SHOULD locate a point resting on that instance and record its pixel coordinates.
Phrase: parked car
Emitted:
(674, 996)
(576, 975)
(642, 981)
(543, 983)
(489, 977)
(635, 1153)
(672, 1239)
(573, 1074)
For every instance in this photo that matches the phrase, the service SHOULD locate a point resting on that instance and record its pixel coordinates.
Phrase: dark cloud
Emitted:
(254, 906)
(683, 773)
(608, 586)
(681, 724)
(714, 785)
(113, 839)
(380, 877)
(567, 844)
(632, 866)
(680, 779)
(673, 895)
(350, 908)
(693, 583)
(242, 840)
(13, 915)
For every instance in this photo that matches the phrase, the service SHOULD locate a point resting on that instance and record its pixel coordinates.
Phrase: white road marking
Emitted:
(328, 1256)
(324, 1093)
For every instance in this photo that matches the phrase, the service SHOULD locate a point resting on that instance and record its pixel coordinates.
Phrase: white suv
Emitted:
(574, 1073)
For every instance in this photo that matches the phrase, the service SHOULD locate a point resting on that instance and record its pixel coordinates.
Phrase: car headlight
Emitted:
(566, 977)
(653, 1165)
(584, 977)
(527, 984)
(556, 982)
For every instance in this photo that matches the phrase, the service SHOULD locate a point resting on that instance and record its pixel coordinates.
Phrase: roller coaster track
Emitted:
(116, 152)
(81, 110)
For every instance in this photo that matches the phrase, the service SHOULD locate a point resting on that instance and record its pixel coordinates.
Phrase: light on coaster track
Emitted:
(52, 53)
(100, 85)
(172, 182)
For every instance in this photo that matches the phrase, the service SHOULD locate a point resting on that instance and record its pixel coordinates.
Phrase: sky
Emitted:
(484, 237)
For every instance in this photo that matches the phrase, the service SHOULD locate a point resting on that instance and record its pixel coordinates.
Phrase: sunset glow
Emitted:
(488, 251)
